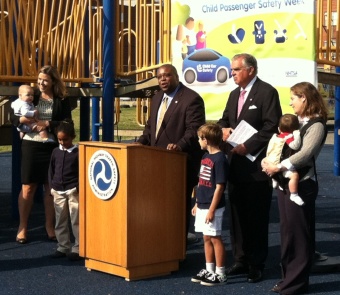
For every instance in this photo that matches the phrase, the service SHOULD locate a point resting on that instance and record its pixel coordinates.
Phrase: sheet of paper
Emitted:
(241, 133)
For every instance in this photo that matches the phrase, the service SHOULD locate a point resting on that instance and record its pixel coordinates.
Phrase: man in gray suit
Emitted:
(176, 129)
(249, 189)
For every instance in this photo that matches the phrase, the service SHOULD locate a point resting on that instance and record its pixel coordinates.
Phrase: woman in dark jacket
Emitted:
(53, 107)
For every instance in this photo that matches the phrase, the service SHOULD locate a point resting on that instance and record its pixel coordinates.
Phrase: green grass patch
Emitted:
(5, 148)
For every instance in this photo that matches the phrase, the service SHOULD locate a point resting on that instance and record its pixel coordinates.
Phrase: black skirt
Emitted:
(35, 160)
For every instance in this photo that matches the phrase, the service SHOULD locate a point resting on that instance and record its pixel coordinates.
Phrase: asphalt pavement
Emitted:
(28, 269)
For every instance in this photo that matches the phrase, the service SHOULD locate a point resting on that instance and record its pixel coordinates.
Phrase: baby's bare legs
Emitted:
(293, 185)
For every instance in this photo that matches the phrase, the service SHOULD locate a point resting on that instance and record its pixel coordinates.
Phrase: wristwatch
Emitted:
(279, 166)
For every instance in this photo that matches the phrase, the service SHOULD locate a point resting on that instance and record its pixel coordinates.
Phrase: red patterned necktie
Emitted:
(241, 102)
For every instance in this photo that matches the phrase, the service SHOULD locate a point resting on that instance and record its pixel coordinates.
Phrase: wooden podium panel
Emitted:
(138, 232)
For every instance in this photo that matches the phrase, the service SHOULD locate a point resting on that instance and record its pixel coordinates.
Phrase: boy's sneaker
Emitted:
(214, 279)
(200, 276)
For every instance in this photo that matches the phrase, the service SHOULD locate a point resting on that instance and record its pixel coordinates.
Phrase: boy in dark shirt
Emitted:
(210, 205)
(64, 183)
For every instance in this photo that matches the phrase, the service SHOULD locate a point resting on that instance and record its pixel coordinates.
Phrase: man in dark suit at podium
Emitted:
(176, 114)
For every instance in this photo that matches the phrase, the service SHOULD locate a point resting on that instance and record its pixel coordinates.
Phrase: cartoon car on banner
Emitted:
(206, 65)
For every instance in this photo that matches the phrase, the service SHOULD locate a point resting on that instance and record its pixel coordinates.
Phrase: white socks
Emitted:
(210, 267)
(220, 270)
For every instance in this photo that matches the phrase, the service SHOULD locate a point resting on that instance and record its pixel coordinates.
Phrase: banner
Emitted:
(207, 34)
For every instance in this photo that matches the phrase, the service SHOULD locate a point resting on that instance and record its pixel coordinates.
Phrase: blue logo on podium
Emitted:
(103, 174)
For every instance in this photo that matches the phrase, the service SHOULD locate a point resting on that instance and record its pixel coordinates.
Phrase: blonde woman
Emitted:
(53, 107)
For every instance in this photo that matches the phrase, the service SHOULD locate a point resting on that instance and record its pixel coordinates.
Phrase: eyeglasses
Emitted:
(239, 69)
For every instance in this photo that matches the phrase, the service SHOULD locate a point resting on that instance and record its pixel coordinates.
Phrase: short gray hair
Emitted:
(248, 60)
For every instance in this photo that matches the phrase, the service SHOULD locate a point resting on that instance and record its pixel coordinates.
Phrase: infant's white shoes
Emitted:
(296, 199)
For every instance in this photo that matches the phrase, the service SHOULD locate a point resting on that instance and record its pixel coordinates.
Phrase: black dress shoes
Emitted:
(254, 275)
(21, 240)
(236, 269)
(57, 254)
(52, 239)
(74, 256)
(276, 289)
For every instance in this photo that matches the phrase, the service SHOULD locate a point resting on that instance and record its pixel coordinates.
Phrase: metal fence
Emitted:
(327, 32)
(69, 35)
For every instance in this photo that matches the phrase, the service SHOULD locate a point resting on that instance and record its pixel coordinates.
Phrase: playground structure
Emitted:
(77, 36)
(72, 35)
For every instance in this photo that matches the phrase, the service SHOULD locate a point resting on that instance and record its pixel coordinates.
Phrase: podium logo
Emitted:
(103, 174)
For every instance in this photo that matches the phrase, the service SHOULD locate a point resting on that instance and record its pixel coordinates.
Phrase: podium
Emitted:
(132, 209)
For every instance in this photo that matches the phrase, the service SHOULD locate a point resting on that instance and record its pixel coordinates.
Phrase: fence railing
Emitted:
(327, 32)
(69, 35)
